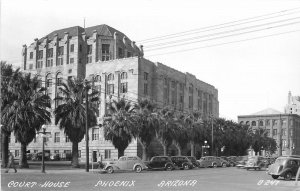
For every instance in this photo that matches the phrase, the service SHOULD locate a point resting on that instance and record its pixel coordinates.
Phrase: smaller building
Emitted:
(284, 128)
(293, 105)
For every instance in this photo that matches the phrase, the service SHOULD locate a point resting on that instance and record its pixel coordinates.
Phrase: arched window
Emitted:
(261, 123)
(242, 122)
(123, 75)
(110, 77)
(59, 78)
(247, 123)
(97, 78)
(253, 123)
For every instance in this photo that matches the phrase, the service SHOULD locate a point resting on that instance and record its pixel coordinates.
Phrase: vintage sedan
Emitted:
(256, 163)
(125, 163)
(285, 166)
(212, 161)
(161, 163)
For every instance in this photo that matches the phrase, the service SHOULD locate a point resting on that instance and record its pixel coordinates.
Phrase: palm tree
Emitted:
(144, 122)
(8, 78)
(27, 112)
(165, 129)
(118, 125)
(70, 115)
(180, 138)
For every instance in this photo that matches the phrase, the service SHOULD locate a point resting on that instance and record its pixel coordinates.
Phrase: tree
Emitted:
(118, 125)
(8, 78)
(165, 128)
(27, 112)
(70, 115)
(144, 123)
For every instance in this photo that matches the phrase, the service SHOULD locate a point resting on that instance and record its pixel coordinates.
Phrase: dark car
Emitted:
(39, 156)
(194, 161)
(55, 156)
(182, 162)
(285, 166)
(161, 162)
(230, 161)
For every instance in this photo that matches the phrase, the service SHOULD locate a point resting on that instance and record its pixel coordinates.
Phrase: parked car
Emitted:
(161, 162)
(256, 163)
(29, 156)
(55, 156)
(182, 162)
(285, 166)
(212, 161)
(194, 161)
(125, 163)
(39, 156)
(241, 161)
(229, 160)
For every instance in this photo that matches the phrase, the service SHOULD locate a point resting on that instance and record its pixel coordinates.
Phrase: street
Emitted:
(215, 179)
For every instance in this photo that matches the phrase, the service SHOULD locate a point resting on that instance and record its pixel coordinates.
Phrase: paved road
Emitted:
(215, 179)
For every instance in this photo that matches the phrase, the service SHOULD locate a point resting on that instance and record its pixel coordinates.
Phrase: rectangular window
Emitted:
(124, 87)
(17, 153)
(79, 153)
(89, 49)
(145, 76)
(105, 52)
(71, 60)
(268, 132)
(72, 48)
(89, 59)
(145, 88)
(60, 61)
(110, 89)
(283, 132)
(51, 62)
(48, 63)
(31, 55)
(107, 154)
(56, 137)
(30, 66)
(40, 54)
(59, 81)
(274, 132)
(50, 53)
(67, 139)
(120, 51)
(190, 101)
(95, 134)
(60, 51)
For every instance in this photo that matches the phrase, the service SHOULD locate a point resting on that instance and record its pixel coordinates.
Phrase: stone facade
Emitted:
(115, 66)
(288, 130)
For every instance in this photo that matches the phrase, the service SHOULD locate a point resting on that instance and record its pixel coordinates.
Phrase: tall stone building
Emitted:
(293, 105)
(284, 128)
(116, 67)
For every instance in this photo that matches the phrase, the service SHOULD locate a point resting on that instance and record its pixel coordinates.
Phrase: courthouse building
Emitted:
(284, 128)
(116, 67)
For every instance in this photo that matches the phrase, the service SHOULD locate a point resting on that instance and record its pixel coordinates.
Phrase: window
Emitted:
(97, 78)
(60, 51)
(145, 76)
(49, 83)
(120, 51)
(56, 151)
(39, 64)
(105, 52)
(17, 153)
(124, 87)
(129, 54)
(89, 59)
(79, 153)
(31, 55)
(253, 123)
(40, 54)
(56, 137)
(89, 49)
(110, 77)
(30, 66)
(110, 89)
(107, 154)
(95, 134)
(80, 48)
(123, 75)
(71, 60)
(35, 151)
(274, 132)
(261, 123)
(72, 48)
(67, 139)
(59, 81)
(283, 132)
(191, 101)
(145, 88)
(268, 132)
(50, 53)
(60, 61)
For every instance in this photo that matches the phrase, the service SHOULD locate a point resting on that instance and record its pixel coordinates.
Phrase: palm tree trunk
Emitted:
(178, 149)
(192, 148)
(165, 148)
(75, 162)
(144, 150)
(23, 159)
(4, 149)
(120, 152)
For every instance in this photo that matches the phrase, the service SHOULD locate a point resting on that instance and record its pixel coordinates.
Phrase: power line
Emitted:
(223, 32)
(225, 36)
(219, 44)
(161, 37)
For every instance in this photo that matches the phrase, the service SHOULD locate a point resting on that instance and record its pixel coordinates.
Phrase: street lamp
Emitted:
(86, 85)
(43, 149)
(205, 146)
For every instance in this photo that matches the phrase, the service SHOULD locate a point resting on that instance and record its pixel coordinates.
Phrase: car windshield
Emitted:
(280, 161)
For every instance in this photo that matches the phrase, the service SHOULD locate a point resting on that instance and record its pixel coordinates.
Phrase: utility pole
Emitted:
(86, 126)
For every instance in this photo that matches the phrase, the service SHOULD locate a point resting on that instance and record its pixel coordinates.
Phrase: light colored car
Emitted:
(256, 163)
(125, 163)
(241, 161)
(212, 161)
(285, 166)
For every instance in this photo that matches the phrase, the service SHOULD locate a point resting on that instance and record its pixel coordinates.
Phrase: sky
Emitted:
(253, 68)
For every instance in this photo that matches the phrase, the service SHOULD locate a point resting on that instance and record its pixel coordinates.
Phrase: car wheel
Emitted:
(215, 165)
(169, 167)
(275, 176)
(138, 168)
(110, 170)
(185, 166)
(288, 176)
(224, 165)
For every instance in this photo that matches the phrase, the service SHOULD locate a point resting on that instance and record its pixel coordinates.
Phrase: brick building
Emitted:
(284, 128)
(115, 66)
